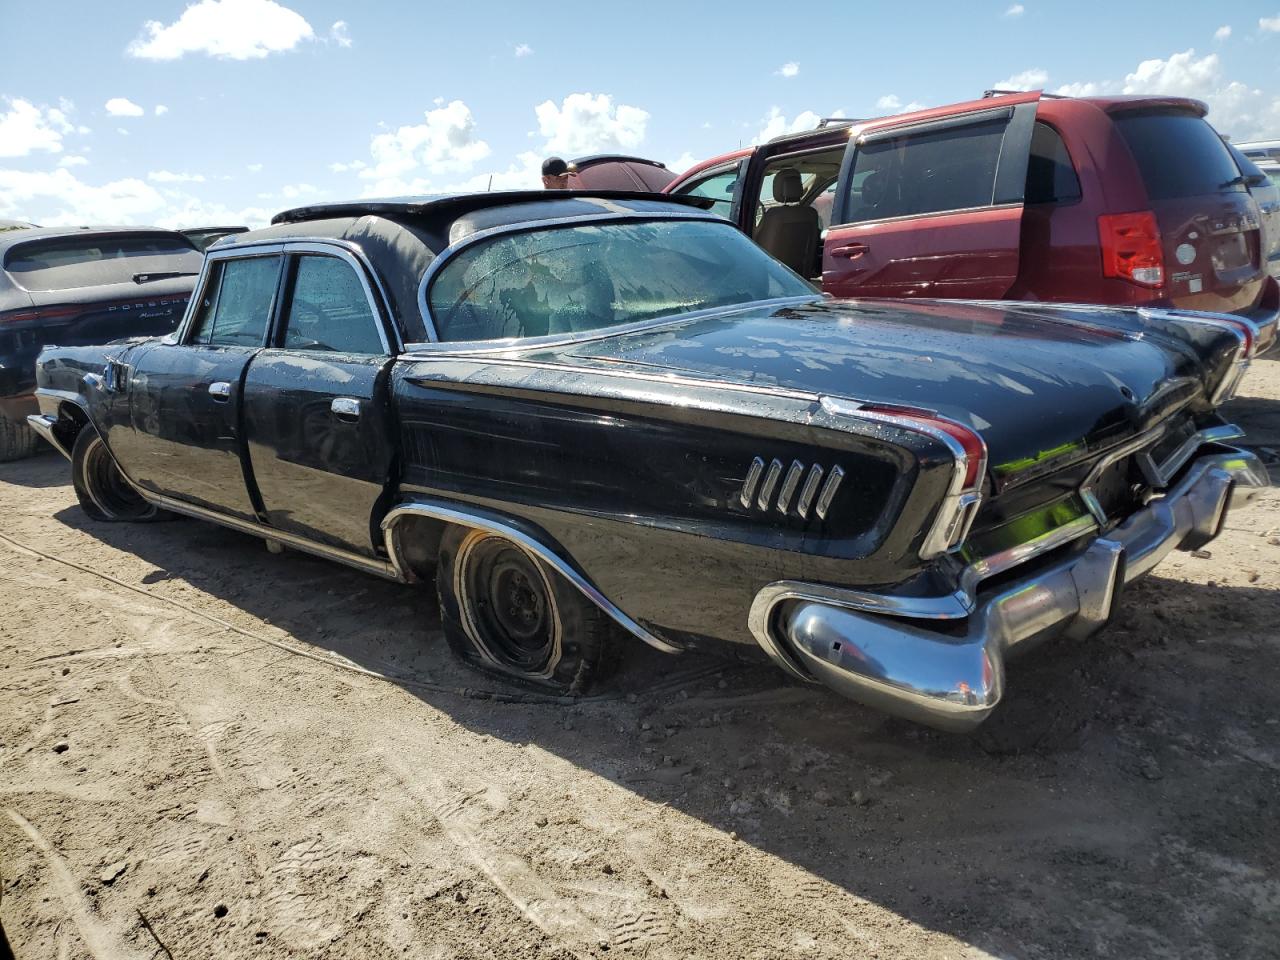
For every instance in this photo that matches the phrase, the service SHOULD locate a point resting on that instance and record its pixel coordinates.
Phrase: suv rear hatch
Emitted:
(1209, 226)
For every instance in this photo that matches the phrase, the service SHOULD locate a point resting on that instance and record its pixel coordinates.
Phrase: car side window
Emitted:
(328, 309)
(1051, 177)
(930, 171)
(718, 187)
(236, 305)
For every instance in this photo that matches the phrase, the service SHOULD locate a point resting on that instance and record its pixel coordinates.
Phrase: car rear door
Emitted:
(931, 206)
(185, 396)
(317, 418)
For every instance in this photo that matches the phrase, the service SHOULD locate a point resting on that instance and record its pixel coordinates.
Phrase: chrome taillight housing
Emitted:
(963, 498)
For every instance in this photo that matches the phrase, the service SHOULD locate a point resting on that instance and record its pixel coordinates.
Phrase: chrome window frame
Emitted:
(374, 291)
(446, 256)
(182, 336)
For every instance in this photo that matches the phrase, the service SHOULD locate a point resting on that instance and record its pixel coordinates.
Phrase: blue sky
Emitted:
(163, 111)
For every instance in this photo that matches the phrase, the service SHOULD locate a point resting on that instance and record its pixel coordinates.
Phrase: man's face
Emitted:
(558, 182)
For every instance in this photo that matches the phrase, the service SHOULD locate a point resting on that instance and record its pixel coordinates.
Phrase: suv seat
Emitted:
(790, 231)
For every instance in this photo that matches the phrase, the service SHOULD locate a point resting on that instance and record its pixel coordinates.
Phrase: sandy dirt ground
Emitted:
(195, 762)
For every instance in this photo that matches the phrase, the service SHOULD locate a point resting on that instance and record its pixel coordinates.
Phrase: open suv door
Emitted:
(932, 205)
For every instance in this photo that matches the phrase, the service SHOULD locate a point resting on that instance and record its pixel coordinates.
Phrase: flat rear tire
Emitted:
(101, 488)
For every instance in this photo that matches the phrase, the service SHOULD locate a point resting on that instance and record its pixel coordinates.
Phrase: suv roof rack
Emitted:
(836, 122)
(988, 94)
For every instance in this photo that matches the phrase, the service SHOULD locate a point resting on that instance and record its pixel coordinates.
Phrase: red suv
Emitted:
(1111, 200)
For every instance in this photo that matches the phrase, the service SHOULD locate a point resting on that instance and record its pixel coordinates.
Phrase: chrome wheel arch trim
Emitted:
(460, 514)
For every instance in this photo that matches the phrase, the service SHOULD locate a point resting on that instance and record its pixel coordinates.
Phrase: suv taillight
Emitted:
(1131, 248)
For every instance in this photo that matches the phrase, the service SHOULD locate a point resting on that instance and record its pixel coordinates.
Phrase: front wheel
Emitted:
(504, 611)
(101, 488)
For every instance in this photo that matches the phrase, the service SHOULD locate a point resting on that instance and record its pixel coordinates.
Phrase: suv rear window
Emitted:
(1178, 154)
(70, 262)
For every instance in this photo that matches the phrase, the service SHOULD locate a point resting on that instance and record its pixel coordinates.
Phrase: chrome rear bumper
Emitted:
(940, 660)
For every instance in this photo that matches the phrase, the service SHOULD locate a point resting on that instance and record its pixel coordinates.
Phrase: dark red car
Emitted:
(1107, 200)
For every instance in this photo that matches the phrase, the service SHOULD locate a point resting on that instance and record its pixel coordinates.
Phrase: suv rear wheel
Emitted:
(504, 611)
(17, 440)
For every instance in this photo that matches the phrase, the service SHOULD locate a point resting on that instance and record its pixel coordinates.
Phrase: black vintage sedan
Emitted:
(593, 415)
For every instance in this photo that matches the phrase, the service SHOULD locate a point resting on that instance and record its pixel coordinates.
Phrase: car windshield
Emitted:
(583, 278)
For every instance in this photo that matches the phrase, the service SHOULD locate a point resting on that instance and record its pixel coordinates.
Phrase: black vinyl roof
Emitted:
(457, 204)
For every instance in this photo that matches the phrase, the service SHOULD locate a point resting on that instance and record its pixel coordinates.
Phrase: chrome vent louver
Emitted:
(762, 480)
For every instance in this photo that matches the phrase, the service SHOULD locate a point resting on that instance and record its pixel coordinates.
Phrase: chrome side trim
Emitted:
(770, 481)
(43, 425)
(372, 565)
(789, 485)
(809, 490)
(456, 513)
(828, 493)
(749, 485)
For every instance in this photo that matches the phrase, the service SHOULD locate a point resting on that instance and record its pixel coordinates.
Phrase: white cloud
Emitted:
(523, 50)
(1016, 10)
(25, 128)
(339, 34)
(253, 167)
(776, 124)
(58, 197)
(344, 167)
(232, 29)
(1082, 89)
(445, 143)
(590, 123)
(682, 162)
(1235, 109)
(1222, 32)
(294, 190)
(1269, 24)
(73, 161)
(161, 109)
(788, 70)
(891, 103)
(1033, 79)
(122, 107)
(167, 176)
(122, 131)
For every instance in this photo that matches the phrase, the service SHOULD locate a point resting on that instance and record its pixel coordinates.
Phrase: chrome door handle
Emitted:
(220, 390)
(345, 408)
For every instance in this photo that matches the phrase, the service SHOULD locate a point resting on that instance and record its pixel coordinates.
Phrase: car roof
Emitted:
(401, 236)
(11, 238)
(440, 207)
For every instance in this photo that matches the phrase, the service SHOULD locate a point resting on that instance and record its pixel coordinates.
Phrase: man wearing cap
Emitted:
(556, 173)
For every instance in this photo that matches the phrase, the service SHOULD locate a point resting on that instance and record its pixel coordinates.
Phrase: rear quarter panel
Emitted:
(638, 484)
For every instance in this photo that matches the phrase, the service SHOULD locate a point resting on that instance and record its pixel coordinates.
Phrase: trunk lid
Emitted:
(1042, 388)
(1210, 226)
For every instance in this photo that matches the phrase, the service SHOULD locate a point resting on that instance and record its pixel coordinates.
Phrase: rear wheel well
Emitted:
(415, 542)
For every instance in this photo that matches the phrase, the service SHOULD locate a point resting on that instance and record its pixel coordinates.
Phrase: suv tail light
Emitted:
(1131, 247)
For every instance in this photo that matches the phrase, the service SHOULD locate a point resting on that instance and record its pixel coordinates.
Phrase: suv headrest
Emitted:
(787, 187)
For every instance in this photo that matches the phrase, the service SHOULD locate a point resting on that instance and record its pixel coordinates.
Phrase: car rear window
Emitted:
(1178, 154)
(70, 262)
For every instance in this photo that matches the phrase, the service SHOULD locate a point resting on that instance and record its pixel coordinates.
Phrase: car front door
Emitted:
(185, 396)
(932, 207)
(316, 403)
